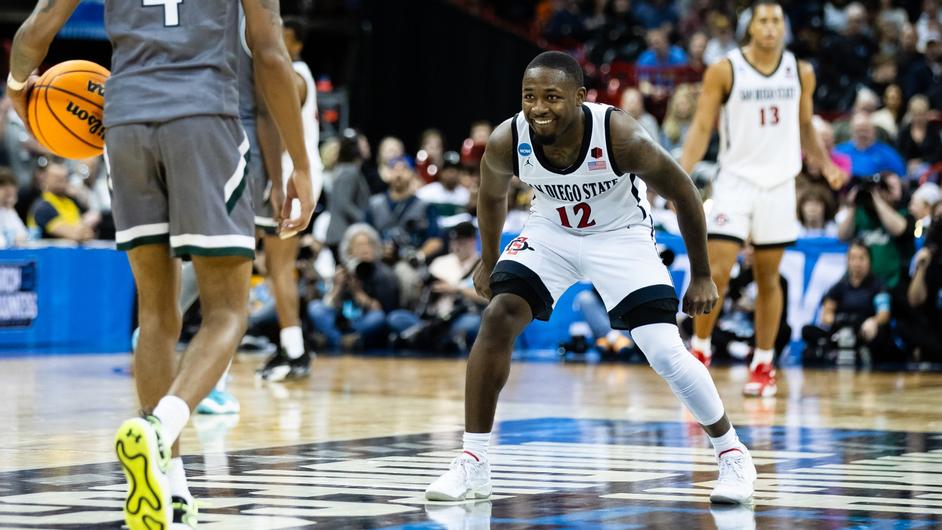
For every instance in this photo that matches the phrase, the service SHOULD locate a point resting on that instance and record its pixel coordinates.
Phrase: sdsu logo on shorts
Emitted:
(525, 150)
(721, 219)
(518, 245)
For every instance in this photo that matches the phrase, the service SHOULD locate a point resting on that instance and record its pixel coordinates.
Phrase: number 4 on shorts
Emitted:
(171, 10)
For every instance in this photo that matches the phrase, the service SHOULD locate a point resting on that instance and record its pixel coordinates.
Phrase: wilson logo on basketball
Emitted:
(95, 126)
(96, 88)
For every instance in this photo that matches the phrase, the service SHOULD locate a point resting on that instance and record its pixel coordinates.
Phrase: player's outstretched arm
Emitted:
(717, 82)
(30, 46)
(496, 173)
(274, 72)
(810, 141)
(635, 152)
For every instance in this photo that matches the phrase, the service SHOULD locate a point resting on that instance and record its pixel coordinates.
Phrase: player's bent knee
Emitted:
(663, 348)
(506, 312)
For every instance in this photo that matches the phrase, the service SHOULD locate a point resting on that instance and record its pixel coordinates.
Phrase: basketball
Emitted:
(66, 108)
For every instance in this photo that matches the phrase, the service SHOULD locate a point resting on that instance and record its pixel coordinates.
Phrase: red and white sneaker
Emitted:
(761, 382)
(701, 356)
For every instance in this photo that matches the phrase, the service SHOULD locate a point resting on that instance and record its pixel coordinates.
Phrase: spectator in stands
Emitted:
(22, 151)
(925, 76)
(892, 15)
(567, 23)
(722, 39)
(696, 47)
(920, 328)
(847, 59)
(429, 158)
(679, 117)
(855, 313)
(12, 230)
(408, 227)
(656, 14)
(88, 186)
(869, 156)
(920, 141)
(661, 53)
(888, 32)
(348, 195)
(920, 206)
(369, 166)
(55, 215)
(929, 21)
(621, 37)
(451, 315)
(590, 309)
(364, 290)
(447, 195)
(390, 148)
(814, 213)
(826, 134)
(889, 116)
(632, 102)
(873, 215)
(865, 102)
(908, 57)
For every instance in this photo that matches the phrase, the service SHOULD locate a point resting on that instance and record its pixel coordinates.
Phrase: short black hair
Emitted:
(559, 61)
(298, 25)
(7, 178)
(463, 230)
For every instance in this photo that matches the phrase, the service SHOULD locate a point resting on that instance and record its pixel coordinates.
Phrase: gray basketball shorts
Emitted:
(182, 182)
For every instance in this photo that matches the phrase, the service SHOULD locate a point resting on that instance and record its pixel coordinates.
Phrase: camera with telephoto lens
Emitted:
(866, 187)
(363, 270)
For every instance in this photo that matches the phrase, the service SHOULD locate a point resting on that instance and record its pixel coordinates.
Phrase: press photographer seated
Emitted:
(364, 290)
(855, 314)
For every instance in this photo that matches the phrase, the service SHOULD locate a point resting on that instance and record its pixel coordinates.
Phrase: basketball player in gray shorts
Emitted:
(176, 151)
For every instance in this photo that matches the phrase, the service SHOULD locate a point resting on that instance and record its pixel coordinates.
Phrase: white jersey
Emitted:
(311, 132)
(760, 138)
(592, 195)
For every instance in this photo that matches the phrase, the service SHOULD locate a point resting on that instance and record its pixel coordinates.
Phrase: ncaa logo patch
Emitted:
(525, 150)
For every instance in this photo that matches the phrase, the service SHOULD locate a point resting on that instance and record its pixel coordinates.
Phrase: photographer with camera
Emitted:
(855, 314)
(364, 291)
(873, 214)
(920, 328)
(407, 225)
(449, 314)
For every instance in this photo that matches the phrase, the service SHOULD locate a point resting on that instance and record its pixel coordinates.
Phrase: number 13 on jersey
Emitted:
(171, 10)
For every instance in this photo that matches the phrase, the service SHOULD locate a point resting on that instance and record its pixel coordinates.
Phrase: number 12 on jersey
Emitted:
(171, 10)
(583, 210)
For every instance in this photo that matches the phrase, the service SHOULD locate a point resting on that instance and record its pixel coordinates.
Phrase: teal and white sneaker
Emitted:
(219, 402)
(185, 513)
(145, 457)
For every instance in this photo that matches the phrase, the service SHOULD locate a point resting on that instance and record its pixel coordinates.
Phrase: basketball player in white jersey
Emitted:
(291, 360)
(589, 165)
(765, 124)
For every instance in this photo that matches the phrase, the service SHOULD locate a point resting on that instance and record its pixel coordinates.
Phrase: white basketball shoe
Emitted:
(466, 478)
(737, 477)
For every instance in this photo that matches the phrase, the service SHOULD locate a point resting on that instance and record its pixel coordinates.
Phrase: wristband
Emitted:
(13, 84)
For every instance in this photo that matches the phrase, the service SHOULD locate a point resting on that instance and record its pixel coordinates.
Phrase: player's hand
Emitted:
(482, 280)
(20, 99)
(835, 176)
(923, 258)
(700, 297)
(869, 329)
(296, 219)
(277, 200)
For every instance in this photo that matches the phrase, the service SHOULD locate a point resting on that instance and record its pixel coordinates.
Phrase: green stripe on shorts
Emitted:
(193, 250)
(144, 240)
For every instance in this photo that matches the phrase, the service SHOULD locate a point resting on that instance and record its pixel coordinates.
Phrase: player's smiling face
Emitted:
(552, 102)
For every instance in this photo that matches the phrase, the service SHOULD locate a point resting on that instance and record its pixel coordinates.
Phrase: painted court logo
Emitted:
(518, 245)
(525, 149)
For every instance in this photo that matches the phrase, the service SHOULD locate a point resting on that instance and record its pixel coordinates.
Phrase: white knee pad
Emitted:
(687, 377)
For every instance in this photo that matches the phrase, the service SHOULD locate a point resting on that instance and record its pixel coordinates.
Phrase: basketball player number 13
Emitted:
(583, 210)
(171, 10)
(769, 116)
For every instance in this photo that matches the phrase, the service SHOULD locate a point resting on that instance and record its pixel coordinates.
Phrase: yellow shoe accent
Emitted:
(144, 460)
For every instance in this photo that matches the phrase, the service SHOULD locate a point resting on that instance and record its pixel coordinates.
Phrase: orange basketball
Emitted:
(66, 108)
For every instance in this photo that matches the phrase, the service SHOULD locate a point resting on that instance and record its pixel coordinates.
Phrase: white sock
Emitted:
(177, 476)
(292, 340)
(223, 381)
(476, 443)
(703, 345)
(761, 357)
(173, 414)
(726, 442)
